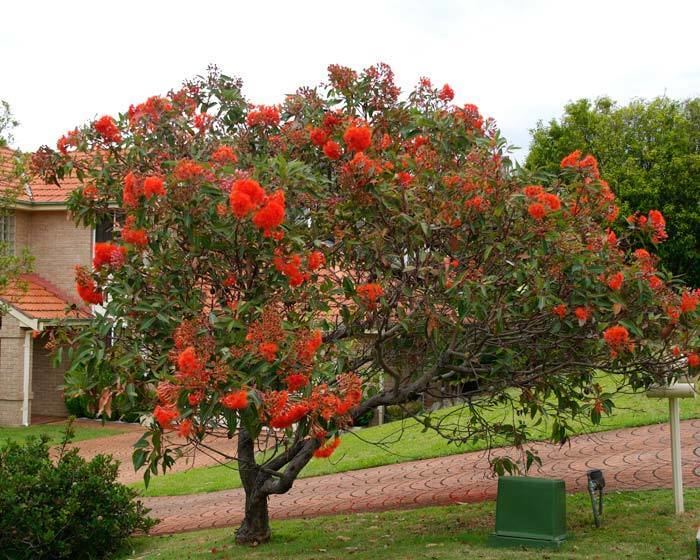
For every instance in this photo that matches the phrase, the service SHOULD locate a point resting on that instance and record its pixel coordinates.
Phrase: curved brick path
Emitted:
(637, 458)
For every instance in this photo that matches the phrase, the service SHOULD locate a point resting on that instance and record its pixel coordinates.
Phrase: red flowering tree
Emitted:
(282, 270)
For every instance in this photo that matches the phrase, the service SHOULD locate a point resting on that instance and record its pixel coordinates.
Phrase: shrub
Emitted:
(70, 508)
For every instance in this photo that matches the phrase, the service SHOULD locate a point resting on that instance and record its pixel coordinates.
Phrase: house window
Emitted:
(104, 231)
(7, 231)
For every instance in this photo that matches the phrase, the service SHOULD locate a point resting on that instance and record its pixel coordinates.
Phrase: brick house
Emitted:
(38, 221)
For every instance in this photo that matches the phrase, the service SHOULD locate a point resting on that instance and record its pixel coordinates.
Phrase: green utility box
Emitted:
(530, 512)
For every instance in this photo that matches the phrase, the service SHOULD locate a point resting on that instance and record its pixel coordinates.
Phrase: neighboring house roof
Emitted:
(35, 191)
(38, 301)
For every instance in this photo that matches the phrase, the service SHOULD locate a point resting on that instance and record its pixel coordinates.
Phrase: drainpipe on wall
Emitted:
(26, 377)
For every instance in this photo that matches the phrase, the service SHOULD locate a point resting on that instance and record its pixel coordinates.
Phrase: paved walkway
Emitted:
(636, 458)
(121, 447)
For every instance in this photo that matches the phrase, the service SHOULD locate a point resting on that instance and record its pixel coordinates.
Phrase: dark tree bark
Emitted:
(255, 528)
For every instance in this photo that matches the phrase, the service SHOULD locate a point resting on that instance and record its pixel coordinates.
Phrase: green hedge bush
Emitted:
(67, 508)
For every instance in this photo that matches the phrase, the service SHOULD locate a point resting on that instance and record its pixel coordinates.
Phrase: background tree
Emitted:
(649, 151)
(13, 177)
(283, 270)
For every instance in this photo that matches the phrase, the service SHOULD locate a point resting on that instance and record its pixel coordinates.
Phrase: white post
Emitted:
(675, 422)
(26, 376)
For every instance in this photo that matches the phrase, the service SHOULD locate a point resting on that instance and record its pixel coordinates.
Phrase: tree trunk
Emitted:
(255, 528)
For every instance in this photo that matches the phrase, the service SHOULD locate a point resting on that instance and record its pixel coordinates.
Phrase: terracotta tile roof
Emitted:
(36, 191)
(41, 300)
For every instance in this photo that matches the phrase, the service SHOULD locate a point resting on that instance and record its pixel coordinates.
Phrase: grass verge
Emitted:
(637, 525)
(55, 431)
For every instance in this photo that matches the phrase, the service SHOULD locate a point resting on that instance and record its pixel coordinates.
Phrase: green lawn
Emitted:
(636, 525)
(405, 441)
(55, 431)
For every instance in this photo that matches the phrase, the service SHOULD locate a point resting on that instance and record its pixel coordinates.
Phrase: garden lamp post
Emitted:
(684, 388)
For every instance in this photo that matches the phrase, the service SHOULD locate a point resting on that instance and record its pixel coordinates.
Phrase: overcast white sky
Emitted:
(66, 62)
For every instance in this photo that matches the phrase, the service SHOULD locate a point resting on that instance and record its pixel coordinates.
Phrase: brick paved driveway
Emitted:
(637, 458)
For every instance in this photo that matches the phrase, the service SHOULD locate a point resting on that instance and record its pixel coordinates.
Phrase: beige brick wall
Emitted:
(11, 371)
(57, 245)
(46, 382)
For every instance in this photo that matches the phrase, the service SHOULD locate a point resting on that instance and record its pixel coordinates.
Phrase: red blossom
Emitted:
(559, 310)
(188, 364)
(268, 350)
(188, 170)
(689, 301)
(271, 215)
(291, 268)
(153, 186)
(109, 254)
(106, 127)
(537, 211)
(615, 281)
(617, 337)
(246, 195)
(582, 314)
(132, 191)
(86, 287)
(318, 136)
(134, 236)
(263, 115)
(315, 260)
(446, 93)
(693, 360)
(327, 449)
(369, 294)
(533, 191)
(404, 178)
(358, 138)
(332, 150)
(296, 381)
(237, 400)
(223, 155)
(165, 415)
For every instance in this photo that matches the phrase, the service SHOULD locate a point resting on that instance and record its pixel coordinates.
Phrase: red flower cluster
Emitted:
(268, 350)
(188, 170)
(546, 202)
(582, 314)
(693, 360)
(404, 178)
(328, 448)
(618, 338)
(137, 237)
(358, 138)
(86, 287)
(291, 414)
(332, 150)
(296, 381)
(237, 400)
(132, 191)
(68, 140)
(165, 415)
(149, 112)
(263, 115)
(369, 294)
(107, 128)
(559, 310)
(223, 155)
(307, 346)
(291, 268)
(153, 186)
(315, 260)
(188, 364)
(588, 164)
(470, 116)
(689, 301)
(271, 215)
(109, 254)
(318, 136)
(615, 281)
(446, 93)
(246, 195)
